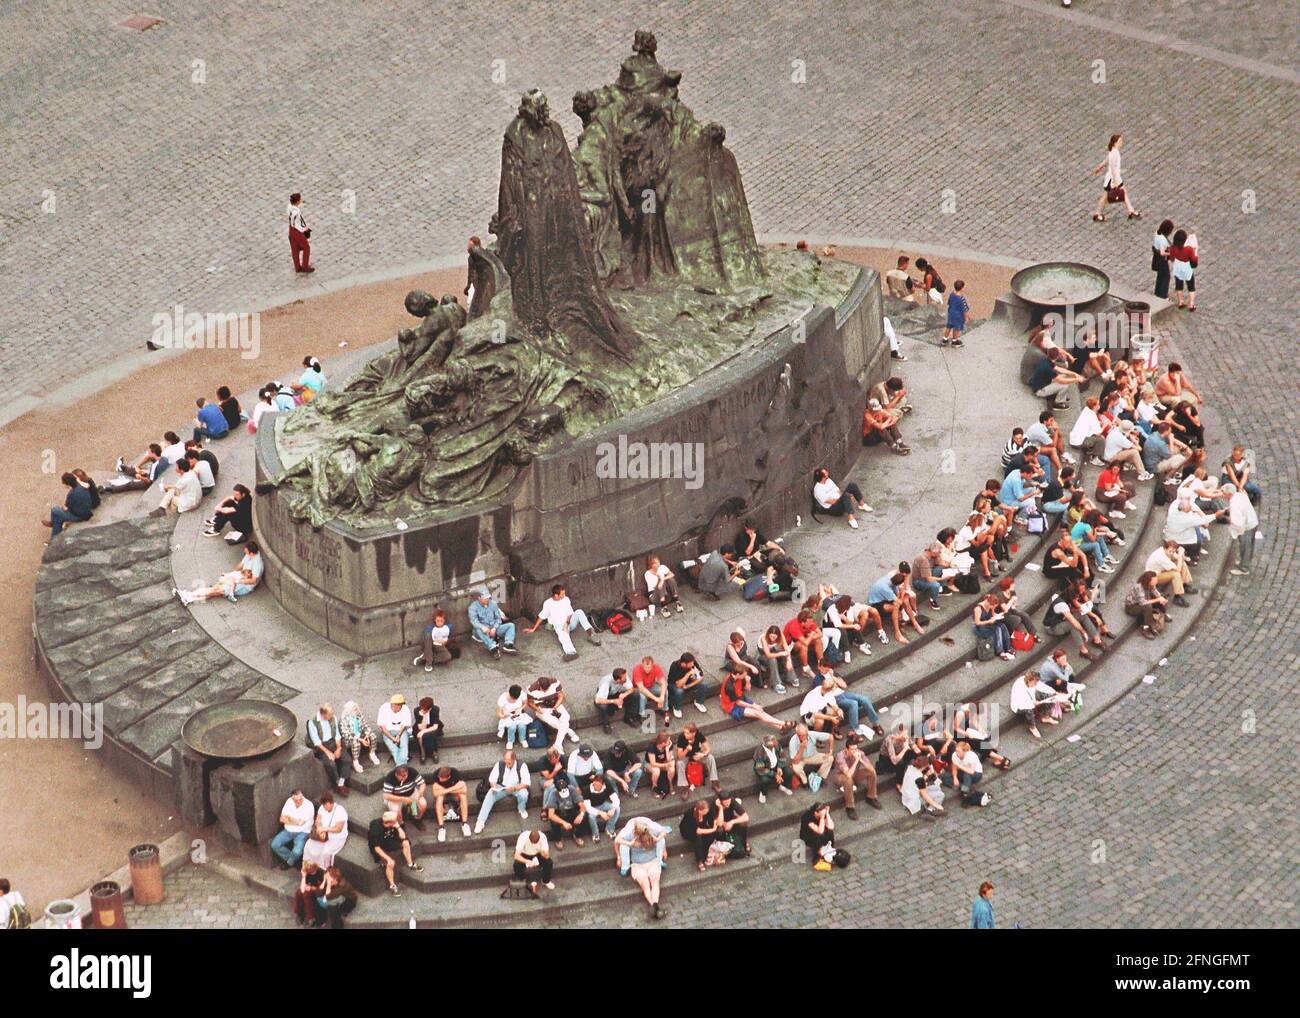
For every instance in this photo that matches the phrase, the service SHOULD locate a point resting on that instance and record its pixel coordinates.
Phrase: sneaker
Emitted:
(121, 464)
(1239, 572)
(1144, 476)
(866, 508)
(1115, 514)
(509, 648)
(1096, 461)
(699, 707)
(1119, 541)
(592, 638)
(567, 657)
(667, 612)
(496, 654)
(523, 814)
(415, 867)
(356, 765)
(442, 834)
(779, 689)
(883, 637)
(478, 828)
(419, 660)
(848, 656)
(1105, 569)
(762, 797)
(396, 893)
(786, 789)
(209, 532)
(934, 603)
(853, 523)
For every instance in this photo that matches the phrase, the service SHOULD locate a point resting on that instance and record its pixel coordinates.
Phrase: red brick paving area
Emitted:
(158, 179)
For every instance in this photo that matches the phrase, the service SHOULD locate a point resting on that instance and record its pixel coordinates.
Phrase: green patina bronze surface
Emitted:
(622, 271)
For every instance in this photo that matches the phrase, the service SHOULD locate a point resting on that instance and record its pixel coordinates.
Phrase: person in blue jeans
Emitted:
(853, 704)
(989, 626)
(76, 506)
(1090, 541)
(490, 626)
(297, 816)
(603, 806)
(210, 422)
(507, 779)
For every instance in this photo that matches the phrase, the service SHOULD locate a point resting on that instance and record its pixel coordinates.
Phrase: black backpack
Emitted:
(841, 858)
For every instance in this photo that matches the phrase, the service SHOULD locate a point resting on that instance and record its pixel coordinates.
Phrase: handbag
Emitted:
(984, 649)
(1115, 195)
(1022, 641)
(695, 774)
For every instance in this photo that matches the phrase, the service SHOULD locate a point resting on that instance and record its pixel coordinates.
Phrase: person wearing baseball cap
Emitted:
(395, 723)
(489, 625)
(881, 425)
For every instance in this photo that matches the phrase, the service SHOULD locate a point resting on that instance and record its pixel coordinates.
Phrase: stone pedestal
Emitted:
(246, 798)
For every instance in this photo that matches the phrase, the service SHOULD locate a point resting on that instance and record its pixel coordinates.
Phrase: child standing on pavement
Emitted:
(958, 309)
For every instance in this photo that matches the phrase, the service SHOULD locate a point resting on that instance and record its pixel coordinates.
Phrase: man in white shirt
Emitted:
(966, 769)
(661, 586)
(819, 709)
(1028, 696)
(394, 721)
(546, 700)
(296, 815)
(532, 861)
(1087, 433)
(583, 763)
(1169, 563)
(1242, 524)
(202, 469)
(558, 612)
(509, 778)
(837, 502)
(299, 234)
(185, 494)
(1121, 449)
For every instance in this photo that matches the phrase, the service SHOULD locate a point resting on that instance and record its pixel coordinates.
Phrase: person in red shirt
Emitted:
(734, 697)
(805, 638)
(1112, 492)
(648, 683)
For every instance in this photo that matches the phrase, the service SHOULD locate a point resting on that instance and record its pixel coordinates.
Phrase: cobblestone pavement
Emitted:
(993, 105)
(199, 897)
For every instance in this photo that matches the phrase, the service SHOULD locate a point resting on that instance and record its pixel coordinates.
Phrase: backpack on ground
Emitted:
(535, 735)
(755, 588)
(984, 649)
(618, 622)
(841, 858)
(832, 654)
(977, 798)
(968, 583)
(1161, 496)
(20, 917)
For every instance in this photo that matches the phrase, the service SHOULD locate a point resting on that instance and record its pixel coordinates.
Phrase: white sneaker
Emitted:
(523, 814)
(786, 789)
(464, 829)
(677, 712)
(478, 828)
(699, 707)
(762, 797)
(883, 637)
(853, 523)
(356, 766)
(1115, 514)
(1129, 506)
(1144, 476)
(442, 834)
(865, 508)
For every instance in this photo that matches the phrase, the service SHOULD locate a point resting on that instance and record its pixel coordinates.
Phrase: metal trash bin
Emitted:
(106, 906)
(1146, 349)
(63, 914)
(146, 874)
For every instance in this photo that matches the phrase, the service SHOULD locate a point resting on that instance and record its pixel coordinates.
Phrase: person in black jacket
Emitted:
(237, 510)
(76, 508)
(700, 827)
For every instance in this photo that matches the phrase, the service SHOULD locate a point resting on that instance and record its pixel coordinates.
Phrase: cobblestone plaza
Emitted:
(152, 170)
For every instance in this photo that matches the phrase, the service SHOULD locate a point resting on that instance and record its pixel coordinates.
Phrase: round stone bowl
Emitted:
(1060, 284)
(240, 729)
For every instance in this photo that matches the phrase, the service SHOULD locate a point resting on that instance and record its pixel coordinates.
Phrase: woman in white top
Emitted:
(921, 789)
(513, 717)
(329, 833)
(264, 406)
(1114, 178)
(661, 586)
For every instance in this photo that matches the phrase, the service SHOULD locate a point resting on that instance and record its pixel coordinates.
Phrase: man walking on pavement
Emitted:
(299, 235)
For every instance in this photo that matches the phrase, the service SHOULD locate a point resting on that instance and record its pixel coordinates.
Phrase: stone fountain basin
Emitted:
(1060, 284)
